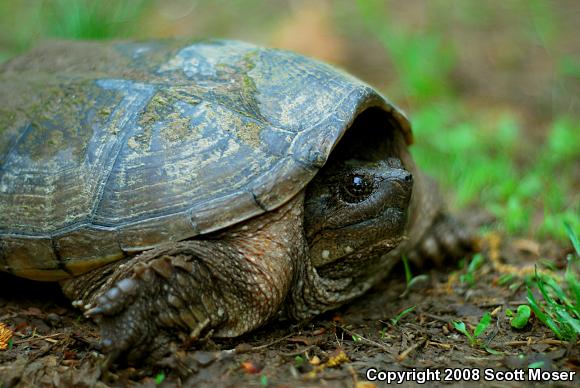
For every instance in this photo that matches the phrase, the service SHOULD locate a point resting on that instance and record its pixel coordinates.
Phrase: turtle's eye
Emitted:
(356, 188)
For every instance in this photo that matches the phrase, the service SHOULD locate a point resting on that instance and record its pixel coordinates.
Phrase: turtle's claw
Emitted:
(115, 299)
(123, 313)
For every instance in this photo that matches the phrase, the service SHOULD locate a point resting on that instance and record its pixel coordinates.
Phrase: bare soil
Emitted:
(53, 345)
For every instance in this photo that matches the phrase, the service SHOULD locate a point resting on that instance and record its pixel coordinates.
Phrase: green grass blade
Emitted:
(535, 365)
(558, 291)
(574, 287)
(475, 263)
(573, 237)
(493, 351)
(535, 307)
(542, 316)
(539, 281)
(396, 319)
(408, 275)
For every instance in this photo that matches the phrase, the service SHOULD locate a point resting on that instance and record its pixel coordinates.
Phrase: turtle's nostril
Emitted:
(408, 177)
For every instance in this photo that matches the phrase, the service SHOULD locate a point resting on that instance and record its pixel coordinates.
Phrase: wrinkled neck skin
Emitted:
(352, 242)
(317, 290)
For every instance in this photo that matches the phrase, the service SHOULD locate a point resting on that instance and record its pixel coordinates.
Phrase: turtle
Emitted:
(182, 189)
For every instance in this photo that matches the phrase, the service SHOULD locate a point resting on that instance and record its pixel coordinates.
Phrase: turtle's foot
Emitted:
(128, 321)
(448, 239)
(141, 304)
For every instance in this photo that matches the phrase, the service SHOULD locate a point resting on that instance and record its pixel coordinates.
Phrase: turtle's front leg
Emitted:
(229, 285)
(189, 288)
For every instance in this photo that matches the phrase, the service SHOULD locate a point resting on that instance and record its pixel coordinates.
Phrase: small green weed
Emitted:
(298, 361)
(521, 318)
(159, 378)
(512, 281)
(383, 333)
(410, 279)
(473, 338)
(469, 276)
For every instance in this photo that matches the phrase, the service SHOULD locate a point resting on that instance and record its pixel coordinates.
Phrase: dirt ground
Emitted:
(53, 345)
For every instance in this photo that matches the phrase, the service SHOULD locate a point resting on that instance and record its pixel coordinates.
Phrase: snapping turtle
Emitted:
(202, 188)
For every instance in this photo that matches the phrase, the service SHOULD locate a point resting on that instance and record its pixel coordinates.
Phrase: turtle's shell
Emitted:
(108, 149)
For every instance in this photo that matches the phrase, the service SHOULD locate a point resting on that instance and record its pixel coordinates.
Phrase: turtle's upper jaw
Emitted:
(355, 205)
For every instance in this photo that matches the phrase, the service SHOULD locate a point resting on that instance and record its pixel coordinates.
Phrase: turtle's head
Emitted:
(354, 204)
(356, 207)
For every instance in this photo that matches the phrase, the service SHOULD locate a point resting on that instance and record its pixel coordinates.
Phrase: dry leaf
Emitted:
(5, 336)
(250, 367)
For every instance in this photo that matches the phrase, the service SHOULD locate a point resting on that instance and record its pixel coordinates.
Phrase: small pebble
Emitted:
(54, 318)
(243, 348)
(204, 358)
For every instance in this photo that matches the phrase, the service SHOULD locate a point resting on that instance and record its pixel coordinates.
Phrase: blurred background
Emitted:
(492, 87)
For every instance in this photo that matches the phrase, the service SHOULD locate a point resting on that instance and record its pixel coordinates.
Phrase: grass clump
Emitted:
(559, 308)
